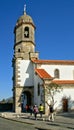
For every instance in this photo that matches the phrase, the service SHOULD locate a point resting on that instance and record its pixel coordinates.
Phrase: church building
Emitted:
(31, 75)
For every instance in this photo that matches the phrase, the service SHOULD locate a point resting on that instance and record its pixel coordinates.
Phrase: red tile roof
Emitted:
(64, 81)
(43, 74)
(64, 62)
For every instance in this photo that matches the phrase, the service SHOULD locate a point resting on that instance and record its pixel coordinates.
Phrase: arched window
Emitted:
(56, 73)
(26, 32)
(19, 50)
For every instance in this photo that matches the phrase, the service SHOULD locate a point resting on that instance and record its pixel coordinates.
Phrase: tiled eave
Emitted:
(60, 62)
(64, 81)
(43, 74)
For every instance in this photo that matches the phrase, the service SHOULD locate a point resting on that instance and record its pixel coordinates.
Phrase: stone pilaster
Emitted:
(18, 93)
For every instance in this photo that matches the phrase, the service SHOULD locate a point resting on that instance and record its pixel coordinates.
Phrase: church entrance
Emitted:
(26, 100)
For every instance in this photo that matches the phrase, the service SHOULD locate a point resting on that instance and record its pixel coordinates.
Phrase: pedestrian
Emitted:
(51, 112)
(41, 109)
(35, 109)
(26, 107)
(31, 110)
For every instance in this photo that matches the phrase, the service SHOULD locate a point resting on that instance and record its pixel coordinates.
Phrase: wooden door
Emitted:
(65, 105)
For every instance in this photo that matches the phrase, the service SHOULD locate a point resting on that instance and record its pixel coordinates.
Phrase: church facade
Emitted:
(31, 75)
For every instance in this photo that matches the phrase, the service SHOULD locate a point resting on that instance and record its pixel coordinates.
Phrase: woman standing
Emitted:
(35, 109)
(51, 112)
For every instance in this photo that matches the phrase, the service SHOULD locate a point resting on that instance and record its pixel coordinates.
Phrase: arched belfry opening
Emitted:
(26, 32)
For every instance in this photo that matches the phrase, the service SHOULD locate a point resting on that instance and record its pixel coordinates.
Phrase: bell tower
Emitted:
(24, 51)
(24, 41)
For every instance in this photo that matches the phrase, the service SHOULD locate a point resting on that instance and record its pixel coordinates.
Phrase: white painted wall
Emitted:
(66, 72)
(26, 76)
(67, 93)
(37, 99)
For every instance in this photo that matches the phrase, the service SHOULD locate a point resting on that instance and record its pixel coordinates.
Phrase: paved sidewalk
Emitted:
(63, 121)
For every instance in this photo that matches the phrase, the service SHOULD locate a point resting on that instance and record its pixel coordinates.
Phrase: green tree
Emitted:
(3, 101)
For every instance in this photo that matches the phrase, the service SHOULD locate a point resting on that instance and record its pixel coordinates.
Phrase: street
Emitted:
(13, 125)
(63, 121)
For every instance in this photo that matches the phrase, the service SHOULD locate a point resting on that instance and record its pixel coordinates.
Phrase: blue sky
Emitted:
(54, 20)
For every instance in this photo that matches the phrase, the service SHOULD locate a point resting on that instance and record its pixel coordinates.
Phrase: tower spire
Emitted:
(25, 9)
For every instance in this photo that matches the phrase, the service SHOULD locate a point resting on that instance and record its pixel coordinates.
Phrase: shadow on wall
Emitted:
(30, 78)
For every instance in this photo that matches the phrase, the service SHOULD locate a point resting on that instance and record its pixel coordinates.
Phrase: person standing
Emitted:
(51, 112)
(35, 109)
(41, 109)
(26, 107)
(31, 110)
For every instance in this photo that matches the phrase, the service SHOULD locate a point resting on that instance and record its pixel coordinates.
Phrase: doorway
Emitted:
(65, 105)
(26, 100)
